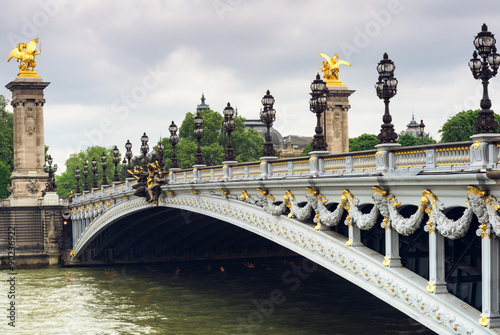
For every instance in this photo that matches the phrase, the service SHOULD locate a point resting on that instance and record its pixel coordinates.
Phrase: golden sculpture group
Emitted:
(330, 69)
(25, 56)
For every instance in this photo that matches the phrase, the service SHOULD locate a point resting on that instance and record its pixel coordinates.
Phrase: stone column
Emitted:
(336, 129)
(28, 178)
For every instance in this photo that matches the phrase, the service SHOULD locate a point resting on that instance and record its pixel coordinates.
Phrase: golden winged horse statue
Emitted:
(330, 69)
(25, 56)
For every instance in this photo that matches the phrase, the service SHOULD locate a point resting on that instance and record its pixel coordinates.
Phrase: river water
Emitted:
(221, 297)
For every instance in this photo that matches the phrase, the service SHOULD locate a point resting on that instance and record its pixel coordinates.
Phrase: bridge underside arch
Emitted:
(169, 234)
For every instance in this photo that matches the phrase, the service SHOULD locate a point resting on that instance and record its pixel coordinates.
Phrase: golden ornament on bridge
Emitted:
(330, 69)
(25, 56)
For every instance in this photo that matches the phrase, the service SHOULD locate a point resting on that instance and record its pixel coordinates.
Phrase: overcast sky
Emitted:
(121, 68)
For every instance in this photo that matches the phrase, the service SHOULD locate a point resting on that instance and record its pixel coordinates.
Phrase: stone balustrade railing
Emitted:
(459, 156)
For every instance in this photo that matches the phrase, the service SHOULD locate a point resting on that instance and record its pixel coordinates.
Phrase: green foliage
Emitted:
(6, 147)
(247, 144)
(66, 181)
(307, 149)
(363, 142)
(5, 172)
(408, 140)
(460, 127)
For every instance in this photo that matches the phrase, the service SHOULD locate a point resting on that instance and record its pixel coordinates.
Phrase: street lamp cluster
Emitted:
(483, 68)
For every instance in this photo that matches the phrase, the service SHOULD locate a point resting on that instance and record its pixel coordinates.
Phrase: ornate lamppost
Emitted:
(160, 157)
(386, 88)
(485, 70)
(174, 140)
(104, 165)
(144, 150)
(268, 115)
(422, 126)
(51, 183)
(94, 172)
(77, 177)
(128, 155)
(317, 105)
(116, 160)
(228, 128)
(198, 134)
(85, 174)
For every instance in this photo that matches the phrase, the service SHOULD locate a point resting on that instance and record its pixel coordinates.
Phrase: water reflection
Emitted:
(251, 297)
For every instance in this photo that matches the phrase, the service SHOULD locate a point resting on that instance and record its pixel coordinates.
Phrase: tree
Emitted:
(408, 140)
(66, 181)
(460, 127)
(363, 142)
(247, 143)
(307, 149)
(6, 147)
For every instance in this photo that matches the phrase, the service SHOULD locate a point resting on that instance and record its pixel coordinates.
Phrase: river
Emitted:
(221, 297)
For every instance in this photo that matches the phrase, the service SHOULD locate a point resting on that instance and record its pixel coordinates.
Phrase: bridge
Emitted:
(417, 227)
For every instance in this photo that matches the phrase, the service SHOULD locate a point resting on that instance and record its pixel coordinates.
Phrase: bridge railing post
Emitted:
(430, 159)
(490, 273)
(385, 158)
(481, 152)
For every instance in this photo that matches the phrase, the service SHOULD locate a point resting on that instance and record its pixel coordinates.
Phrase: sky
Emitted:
(120, 68)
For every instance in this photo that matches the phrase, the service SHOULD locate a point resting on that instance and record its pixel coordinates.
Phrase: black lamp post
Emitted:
(144, 150)
(386, 88)
(484, 70)
(94, 172)
(51, 184)
(85, 174)
(228, 128)
(317, 104)
(198, 134)
(116, 160)
(77, 177)
(174, 139)
(422, 126)
(104, 165)
(128, 155)
(268, 115)
(159, 156)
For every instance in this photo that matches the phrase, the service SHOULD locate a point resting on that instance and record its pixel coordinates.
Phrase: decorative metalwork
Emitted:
(160, 158)
(50, 185)
(318, 105)
(268, 115)
(485, 70)
(128, 155)
(144, 150)
(77, 177)
(422, 126)
(85, 174)
(116, 160)
(174, 140)
(104, 165)
(94, 172)
(25, 56)
(386, 88)
(229, 126)
(198, 134)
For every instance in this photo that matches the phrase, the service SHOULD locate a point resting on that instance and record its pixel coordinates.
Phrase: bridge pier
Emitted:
(437, 283)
